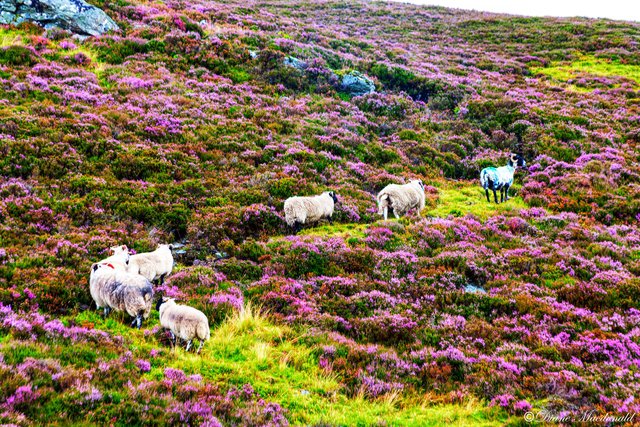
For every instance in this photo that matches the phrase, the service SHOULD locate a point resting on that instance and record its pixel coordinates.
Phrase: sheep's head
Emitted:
(113, 250)
(166, 245)
(517, 159)
(333, 196)
(164, 300)
(98, 266)
(420, 183)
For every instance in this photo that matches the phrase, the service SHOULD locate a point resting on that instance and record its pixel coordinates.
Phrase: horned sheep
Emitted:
(501, 178)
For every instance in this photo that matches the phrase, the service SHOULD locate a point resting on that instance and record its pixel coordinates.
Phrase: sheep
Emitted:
(501, 178)
(116, 289)
(152, 265)
(303, 210)
(401, 198)
(183, 322)
(119, 258)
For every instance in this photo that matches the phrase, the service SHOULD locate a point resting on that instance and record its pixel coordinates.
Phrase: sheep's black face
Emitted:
(159, 303)
(519, 160)
(333, 196)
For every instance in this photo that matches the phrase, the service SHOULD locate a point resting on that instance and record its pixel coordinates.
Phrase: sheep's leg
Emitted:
(495, 196)
(139, 320)
(297, 227)
(395, 214)
(486, 191)
(162, 279)
(330, 221)
(386, 212)
(506, 192)
(200, 346)
(107, 310)
(188, 345)
(172, 338)
(502, 195)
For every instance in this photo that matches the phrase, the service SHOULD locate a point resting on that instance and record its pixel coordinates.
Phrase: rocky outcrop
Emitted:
(73, 15)
(356, 83)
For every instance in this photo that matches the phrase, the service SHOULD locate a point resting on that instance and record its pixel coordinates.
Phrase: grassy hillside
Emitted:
(192, 126)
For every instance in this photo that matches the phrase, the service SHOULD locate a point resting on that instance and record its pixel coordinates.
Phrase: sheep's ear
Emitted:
(170, 246)
(94, 266)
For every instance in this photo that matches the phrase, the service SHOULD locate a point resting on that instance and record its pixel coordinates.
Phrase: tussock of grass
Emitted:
(562, 72)
(459, 198)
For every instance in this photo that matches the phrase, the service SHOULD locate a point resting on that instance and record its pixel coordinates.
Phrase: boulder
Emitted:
(74, 15)
(356, 83)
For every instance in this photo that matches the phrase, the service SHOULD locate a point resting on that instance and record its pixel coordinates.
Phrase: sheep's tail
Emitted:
(290, 214)
(485, 180)
(383, 201)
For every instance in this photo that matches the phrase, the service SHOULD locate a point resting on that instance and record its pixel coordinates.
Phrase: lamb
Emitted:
(401, 198)
(116, 289)
(183, 322)
(152, 265)
(303, 210)
(501, 178)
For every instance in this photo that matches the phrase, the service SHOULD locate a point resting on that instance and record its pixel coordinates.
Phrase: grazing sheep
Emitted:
(116, 289)
(501, 178)
(119, 257)
(152, 265)
(183, 322)
(303, 210)
(401, 198)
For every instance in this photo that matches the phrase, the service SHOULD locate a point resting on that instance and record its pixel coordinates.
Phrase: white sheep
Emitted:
(183, 322)
(116, 289)
(501, 178)
(152, 265)
(119, 258)
(304, 210)
(401, 198)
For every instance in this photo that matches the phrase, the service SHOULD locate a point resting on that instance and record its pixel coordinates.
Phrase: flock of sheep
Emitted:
(123, 282)
(399, 199)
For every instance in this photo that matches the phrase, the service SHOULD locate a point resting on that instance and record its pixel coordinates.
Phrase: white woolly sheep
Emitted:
(401, 198)
(183, 322)
(501, 178)
(304, 210)
(152, 265)
(119, 257)
(116, 289)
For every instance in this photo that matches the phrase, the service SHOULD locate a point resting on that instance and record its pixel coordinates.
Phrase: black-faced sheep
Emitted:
(501, 178)
(401, 198)
(306, 210)
(183, 321)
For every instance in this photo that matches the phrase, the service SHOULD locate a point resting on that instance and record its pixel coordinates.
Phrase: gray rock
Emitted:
(295, 63)
(356, 83)
(74, 15)
(471, 288)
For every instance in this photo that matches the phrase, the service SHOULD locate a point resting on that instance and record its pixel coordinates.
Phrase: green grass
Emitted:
(343, 230)
(563, 72)
(276, 361)
(9, 37)
(459, 198)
